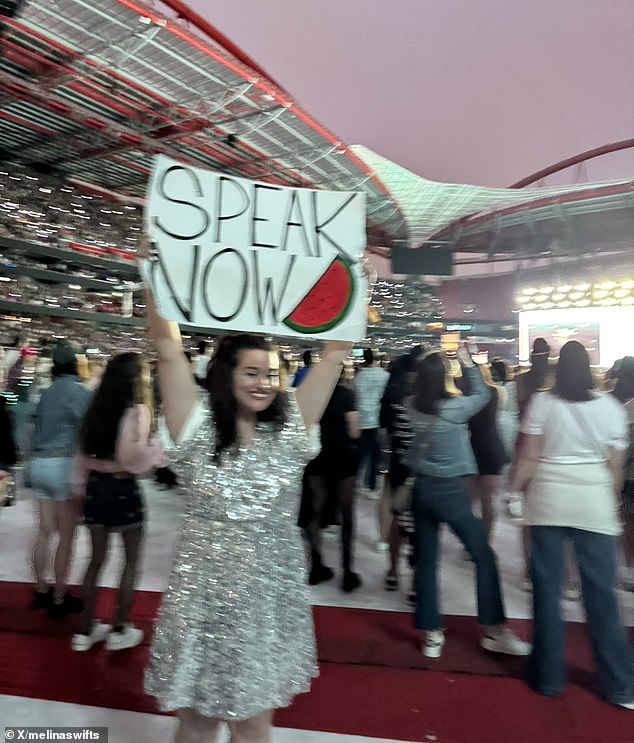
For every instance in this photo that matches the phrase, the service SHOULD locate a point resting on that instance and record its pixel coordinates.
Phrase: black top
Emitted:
(335, 439)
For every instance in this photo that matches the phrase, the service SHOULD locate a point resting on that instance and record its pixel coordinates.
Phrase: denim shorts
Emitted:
(50, 478)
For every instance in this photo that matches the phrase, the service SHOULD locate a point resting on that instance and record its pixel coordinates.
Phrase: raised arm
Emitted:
(176, 381)
(317, 386)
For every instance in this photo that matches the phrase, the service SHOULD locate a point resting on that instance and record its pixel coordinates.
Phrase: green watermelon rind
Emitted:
(310, 329)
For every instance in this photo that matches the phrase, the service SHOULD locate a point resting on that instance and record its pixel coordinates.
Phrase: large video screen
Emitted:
(606, 332)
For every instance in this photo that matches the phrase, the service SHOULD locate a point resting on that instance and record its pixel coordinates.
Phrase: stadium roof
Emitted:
(509, 223)
(90, 91)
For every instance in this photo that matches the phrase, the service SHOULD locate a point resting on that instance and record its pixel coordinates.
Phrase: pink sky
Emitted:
(469, 91)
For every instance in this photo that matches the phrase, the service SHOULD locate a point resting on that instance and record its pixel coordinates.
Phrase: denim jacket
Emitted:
(441, 446)
(57, 417)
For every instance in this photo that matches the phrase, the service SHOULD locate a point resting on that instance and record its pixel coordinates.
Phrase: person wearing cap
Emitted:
(20, 387)
(14, 352)
(56, 420)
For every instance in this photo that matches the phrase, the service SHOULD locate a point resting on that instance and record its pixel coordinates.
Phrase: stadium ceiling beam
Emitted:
(112, 136)
(164, 119)
(25, 90)
(115, 93)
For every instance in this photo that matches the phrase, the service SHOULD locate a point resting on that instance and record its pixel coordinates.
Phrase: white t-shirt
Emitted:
(572, 486)
(576, 432)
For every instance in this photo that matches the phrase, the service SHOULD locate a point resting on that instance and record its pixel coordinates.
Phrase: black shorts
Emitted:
(113, 501)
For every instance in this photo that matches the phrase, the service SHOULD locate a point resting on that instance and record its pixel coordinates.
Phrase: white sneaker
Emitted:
(433, 643)
(627, 579)
(572, 593)
(129, 637)
(372, 494)
(381, 546)
(81, 642)
(625, 705)
(505, 642)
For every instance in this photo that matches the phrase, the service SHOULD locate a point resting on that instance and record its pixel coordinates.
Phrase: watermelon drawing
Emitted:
(326, 304)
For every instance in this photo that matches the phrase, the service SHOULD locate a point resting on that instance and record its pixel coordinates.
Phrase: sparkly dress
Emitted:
(234, 635)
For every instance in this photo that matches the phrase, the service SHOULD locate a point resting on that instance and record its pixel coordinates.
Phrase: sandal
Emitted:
(391, 582)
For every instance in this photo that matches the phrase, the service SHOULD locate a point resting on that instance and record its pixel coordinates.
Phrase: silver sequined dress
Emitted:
(234, 635)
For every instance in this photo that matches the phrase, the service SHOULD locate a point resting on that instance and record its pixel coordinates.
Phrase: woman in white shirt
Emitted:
(570, 461)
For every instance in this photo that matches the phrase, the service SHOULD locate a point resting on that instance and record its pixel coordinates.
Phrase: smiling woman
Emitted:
(256, 381)
(234, 639)
(243, 385)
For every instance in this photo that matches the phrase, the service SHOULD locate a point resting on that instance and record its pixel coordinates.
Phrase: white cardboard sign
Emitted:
(234, 254)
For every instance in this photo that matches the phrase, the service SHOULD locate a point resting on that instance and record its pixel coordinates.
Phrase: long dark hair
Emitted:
(535, 377)
(624, 373)
(122, 386)
(222, 400)
(573, 378)
(430, 386)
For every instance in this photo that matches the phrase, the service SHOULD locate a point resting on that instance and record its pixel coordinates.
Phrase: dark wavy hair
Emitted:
(624, 375)
(430, 385)
(573, 377)
(499, 371)
(122, 385)
(222, 400)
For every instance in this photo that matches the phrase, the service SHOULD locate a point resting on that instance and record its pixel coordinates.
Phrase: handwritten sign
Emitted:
(235, 254)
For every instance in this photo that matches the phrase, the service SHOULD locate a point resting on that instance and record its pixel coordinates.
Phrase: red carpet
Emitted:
(451, 708)
(351, 636)
(357, 694)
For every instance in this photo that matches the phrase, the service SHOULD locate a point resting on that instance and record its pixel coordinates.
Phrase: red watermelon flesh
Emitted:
(326, 304)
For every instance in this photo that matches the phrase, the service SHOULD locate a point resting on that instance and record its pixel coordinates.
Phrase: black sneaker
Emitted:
(42, 599)
(351, 581)
(318, 574)
(68, 605)
(390, 582)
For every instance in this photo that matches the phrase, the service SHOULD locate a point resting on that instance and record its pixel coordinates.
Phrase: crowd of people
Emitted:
(40, 210)
(43, 209)
(242, 439)
(269, 453)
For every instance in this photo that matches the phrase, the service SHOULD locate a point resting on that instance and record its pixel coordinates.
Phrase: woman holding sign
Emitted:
(234, 639)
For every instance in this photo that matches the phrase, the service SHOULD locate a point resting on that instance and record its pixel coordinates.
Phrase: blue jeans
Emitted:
(610, 646)
(369, 456)
(438, 500)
